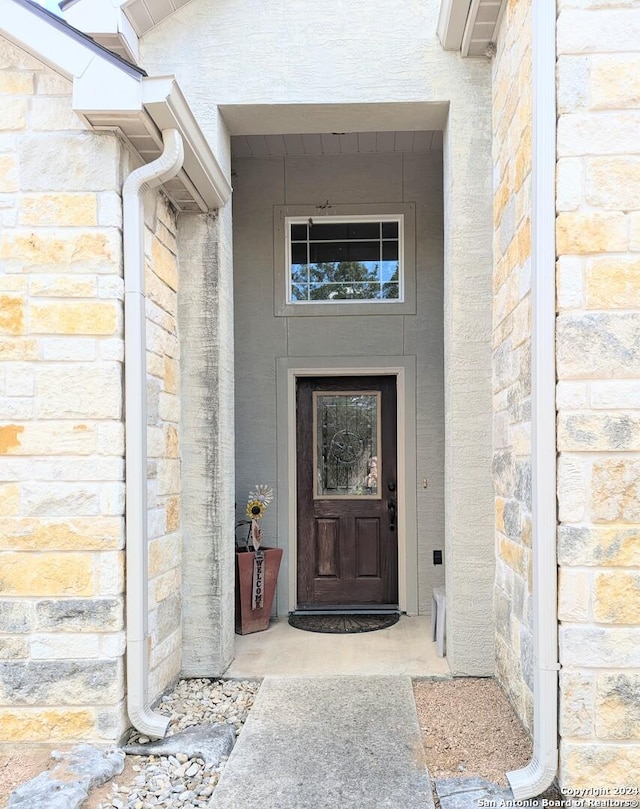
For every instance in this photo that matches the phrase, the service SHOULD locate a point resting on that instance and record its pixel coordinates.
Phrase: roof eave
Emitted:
(470, 26)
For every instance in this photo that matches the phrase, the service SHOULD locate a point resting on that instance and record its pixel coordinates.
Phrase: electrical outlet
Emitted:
(437, 557)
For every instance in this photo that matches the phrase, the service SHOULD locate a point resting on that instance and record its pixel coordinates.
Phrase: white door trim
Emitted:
(287, 372)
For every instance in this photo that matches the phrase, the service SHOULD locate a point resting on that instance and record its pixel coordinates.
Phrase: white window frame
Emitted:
(303, 220)
(351, 212)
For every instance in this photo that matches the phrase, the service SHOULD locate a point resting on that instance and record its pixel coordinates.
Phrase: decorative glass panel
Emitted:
(346, 444)
(339, 260)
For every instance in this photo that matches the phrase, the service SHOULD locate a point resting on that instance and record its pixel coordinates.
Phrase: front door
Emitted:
(347, 497)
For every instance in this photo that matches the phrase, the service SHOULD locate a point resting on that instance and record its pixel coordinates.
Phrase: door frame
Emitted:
(288, 370)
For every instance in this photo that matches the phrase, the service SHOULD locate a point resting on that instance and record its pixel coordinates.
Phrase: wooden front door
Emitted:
(347, 492)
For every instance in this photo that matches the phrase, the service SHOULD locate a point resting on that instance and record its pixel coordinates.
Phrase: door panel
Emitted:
(346, 479)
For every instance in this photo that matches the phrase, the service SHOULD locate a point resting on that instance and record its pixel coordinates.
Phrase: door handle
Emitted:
(391, 505)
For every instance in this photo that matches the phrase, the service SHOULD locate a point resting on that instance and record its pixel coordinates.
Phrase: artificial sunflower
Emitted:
(255, 509)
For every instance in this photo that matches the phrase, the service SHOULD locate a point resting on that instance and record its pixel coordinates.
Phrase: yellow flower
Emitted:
(255, 509)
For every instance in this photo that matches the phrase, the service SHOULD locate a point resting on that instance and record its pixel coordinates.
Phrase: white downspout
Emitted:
(137, 183)
(539, 774)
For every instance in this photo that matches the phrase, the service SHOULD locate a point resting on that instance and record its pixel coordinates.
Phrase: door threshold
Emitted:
(357, 609)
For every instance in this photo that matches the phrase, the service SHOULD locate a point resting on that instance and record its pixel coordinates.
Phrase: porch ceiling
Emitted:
(335, 143)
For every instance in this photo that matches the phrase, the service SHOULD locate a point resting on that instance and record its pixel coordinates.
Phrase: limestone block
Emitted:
(585, 31)
(169, 616)
(172, 514)
(88, 317)
(110, 438)
(58, 210)
(112, 722)
(14, 348)
(587, 134)
(164, 585)
(574, 595)
(50, 438)
(168, 476)
(155, 442)
(599, 647)
(67, 349)
(110, 573)
(79, 391)
(50, 83)
(47, 574)
(169, 407)
(112, 497)
(615, 490)
(8, 174)
(45, 724)
(582, 232)
(69, 161)
(80, 533)
(110, 209)
(616, 597)
(156, 520)
(51, 114)
(164, 554)
(13, 648)
(613, 183)
(610, 764)
(615, 394)
(634, 227)
(19, 379)
(11, 314)
(111, 286)
(59, 682)
(571, 395)
(15, 58)
(514, 554)
(13, 113)
(570, 282)
(111, 349)
(618, 706)
(63, 251)
(47, 646)
(113, 645)
(15, 616)
(164, 264)
(577, 704)
(79, 614)
(59, 499)
(15, 409)
(571, 488)
(9, 499)
(171, 375)
(172, 448)
(598, 431)
(16, 82)
(598, 545)
(598, 345)
(613, 283)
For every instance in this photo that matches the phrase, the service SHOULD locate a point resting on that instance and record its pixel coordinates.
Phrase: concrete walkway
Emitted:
(347, 742)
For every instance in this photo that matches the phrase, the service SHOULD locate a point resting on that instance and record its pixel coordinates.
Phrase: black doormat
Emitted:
(340, 624)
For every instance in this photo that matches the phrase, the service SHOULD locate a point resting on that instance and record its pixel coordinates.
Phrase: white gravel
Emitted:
(179, 782)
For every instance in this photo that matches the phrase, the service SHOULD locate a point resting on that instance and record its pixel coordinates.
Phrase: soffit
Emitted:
(470, 26)
(335, 143)
(145, 14)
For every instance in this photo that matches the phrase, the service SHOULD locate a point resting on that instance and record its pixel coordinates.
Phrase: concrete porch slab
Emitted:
(327, 742)
(403, 649)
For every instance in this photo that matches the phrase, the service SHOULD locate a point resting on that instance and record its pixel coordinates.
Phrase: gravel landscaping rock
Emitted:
(182, 779)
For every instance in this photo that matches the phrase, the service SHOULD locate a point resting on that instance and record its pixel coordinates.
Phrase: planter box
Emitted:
(248, 620)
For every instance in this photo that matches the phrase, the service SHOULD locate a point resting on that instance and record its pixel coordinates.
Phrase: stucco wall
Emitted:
(61, 435)
(512, 92)
(598, 397)
(262, 337)
(377, 54)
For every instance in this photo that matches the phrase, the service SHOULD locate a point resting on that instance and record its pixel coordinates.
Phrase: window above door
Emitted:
(357, 259)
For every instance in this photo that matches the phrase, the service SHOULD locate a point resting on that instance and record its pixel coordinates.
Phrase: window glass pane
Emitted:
(344, 251)
(390, 291)
(346, 441)
(298, 233)
(364, 230)
(389, 230)
(299, 292)
(390, 251)
(328, 231)
(389, 271)
(299, 253)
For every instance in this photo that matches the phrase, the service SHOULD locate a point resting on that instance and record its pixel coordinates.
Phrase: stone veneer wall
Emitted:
(512, 355)
(62, 638)
(598, 398)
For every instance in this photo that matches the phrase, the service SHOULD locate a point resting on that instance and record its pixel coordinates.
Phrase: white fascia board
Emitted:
(103, 87)
(102, 17)
(166, 105)
(452, 22)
